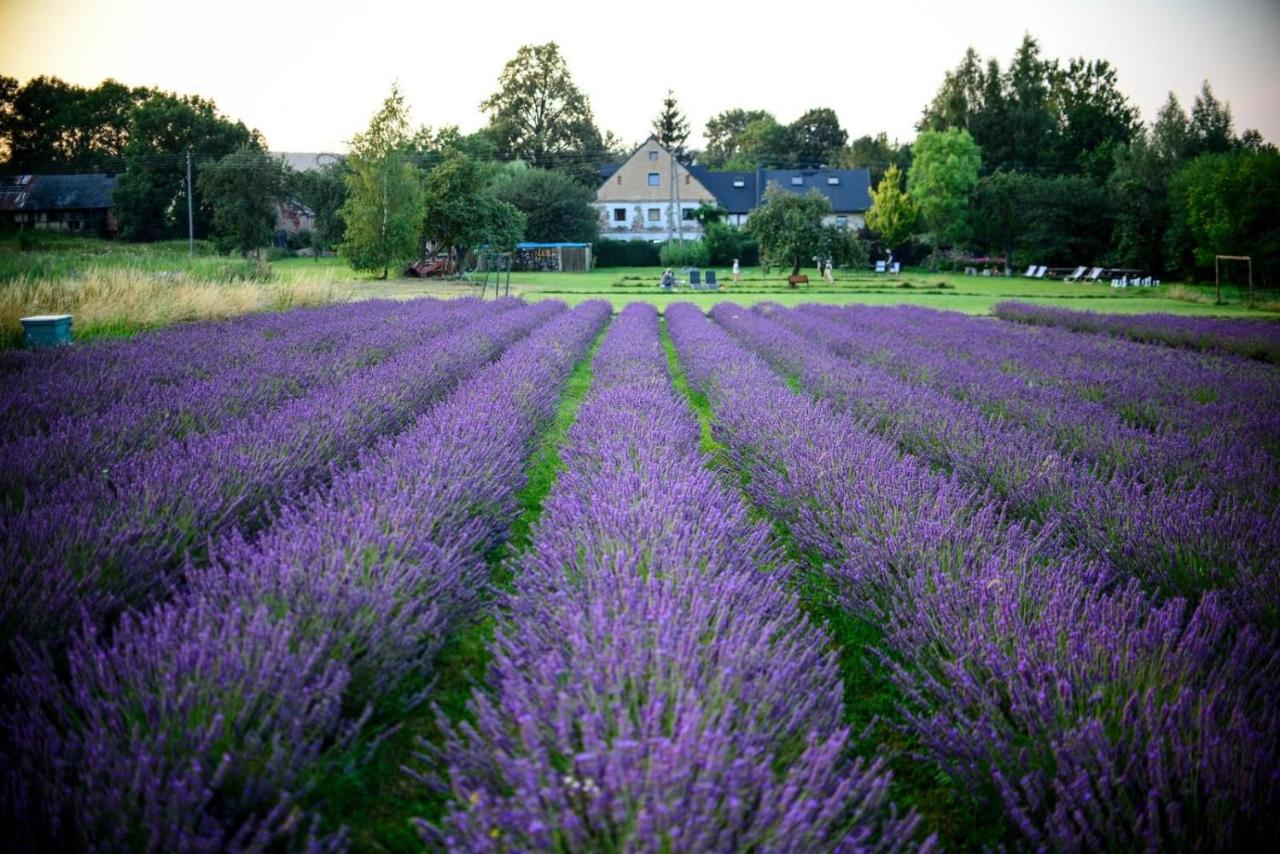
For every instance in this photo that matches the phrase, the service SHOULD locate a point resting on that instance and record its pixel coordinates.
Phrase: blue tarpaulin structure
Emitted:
(557, 257)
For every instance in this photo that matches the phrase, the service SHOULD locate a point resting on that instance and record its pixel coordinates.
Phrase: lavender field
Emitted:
(496, 576)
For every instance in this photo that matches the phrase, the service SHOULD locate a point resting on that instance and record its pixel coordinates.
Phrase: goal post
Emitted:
(1217, 272)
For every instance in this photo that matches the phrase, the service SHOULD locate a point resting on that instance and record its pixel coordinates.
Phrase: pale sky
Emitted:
(308, 75)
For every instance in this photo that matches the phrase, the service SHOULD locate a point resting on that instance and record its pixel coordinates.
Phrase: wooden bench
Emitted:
(801, 279)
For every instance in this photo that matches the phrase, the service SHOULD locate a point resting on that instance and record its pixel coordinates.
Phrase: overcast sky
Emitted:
(308, 75)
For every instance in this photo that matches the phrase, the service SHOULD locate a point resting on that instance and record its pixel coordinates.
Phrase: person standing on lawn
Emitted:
(737, 272)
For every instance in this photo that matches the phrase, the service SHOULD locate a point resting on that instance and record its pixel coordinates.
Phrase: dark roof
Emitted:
(56, 192)
(607, 170)
(736, 200)
(851, 195)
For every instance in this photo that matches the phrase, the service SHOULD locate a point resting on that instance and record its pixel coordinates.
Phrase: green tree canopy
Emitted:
(461, 212)
(815, 139)
(944, 170)
(875, 154)
(725, 134)
(384, 207)
(151, 196)
(242, 189)
(324, 190)
(47, 124)
(789, 227)
(893, 215)
(556, 207)
(1224, 204)
(539, 114)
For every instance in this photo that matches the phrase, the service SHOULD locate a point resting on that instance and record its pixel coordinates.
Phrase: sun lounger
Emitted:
(880, 266)
(1094, 275)
(711, 281)
(1031, 272)
(1076, 276)
(895, 268)
(1040, 271)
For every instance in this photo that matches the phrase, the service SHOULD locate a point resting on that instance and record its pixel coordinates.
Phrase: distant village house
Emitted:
(636, 200)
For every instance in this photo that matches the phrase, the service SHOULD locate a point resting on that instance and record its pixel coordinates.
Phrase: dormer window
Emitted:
(833, 180)
(797, 181)
(739, 183)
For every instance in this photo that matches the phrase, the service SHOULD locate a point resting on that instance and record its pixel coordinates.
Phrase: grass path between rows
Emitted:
(378, 801)
(870, 699)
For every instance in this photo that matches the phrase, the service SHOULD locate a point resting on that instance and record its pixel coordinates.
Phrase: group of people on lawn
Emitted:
(669, 277)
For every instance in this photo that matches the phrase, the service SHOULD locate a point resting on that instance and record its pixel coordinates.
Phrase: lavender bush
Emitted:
(279, 369)
(653, 687)
(204, 723)
(1257, 339)
(1098, 717)
(106, 540)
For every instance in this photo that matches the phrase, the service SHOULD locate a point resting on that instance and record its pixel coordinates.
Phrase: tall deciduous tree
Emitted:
(875, 154)
(539, 114)
(242, 189)
(384, 208)
(672, 128)
(1224, 204)
(944, 170)
(1096, 118)
(725, 134)
(815, 139)
(893, 215)
(1211, 123)
(151, 197)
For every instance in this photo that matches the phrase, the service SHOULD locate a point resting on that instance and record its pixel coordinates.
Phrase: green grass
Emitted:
(968, 294)
(378, 800)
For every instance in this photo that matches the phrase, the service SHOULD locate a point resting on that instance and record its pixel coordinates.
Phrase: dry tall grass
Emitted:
(1185, 293)
(116, 301)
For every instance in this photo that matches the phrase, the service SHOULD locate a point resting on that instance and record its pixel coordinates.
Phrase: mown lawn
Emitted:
(968, 294)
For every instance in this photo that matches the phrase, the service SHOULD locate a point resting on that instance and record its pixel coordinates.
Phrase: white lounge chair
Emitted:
(1041, 271)
(895, 267)
(880, 266)
(1076, 276)
(1031, 272)
(1094, 275)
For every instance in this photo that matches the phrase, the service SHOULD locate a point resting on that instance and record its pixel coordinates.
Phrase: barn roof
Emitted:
(56, 192)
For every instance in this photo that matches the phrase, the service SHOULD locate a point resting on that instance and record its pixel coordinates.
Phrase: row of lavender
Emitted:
(1115, 404)
(1182, 538)
(319, 351)
(1257, 339)
(108, 539)
(1030, 672)
(654, 688)
(206, 722)
(41, 386)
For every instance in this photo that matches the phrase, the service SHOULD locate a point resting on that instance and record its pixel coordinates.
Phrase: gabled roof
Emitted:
(92, 191)
(736, 200)
(852, 193)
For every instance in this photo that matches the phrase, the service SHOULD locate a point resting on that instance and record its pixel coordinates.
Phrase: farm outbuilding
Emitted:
(556, 257)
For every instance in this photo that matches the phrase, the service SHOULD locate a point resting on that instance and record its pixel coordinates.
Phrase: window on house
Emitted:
(842, 221)
(686, 214)
(833, 179)
(655, 214)
(739, 183)
(653, 179)
(619, 180)
(797, 181)
(653, 155)
(686, 178)
(619, 214)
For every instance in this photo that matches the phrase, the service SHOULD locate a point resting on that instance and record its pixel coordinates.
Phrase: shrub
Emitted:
(725, 242)
(690, 253)
(625, 253)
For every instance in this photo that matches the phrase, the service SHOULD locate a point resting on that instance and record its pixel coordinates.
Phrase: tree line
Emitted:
(1037, 161)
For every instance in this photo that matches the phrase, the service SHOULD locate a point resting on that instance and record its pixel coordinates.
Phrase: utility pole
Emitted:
(675, 180)
(672, 212)
(191, 223)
